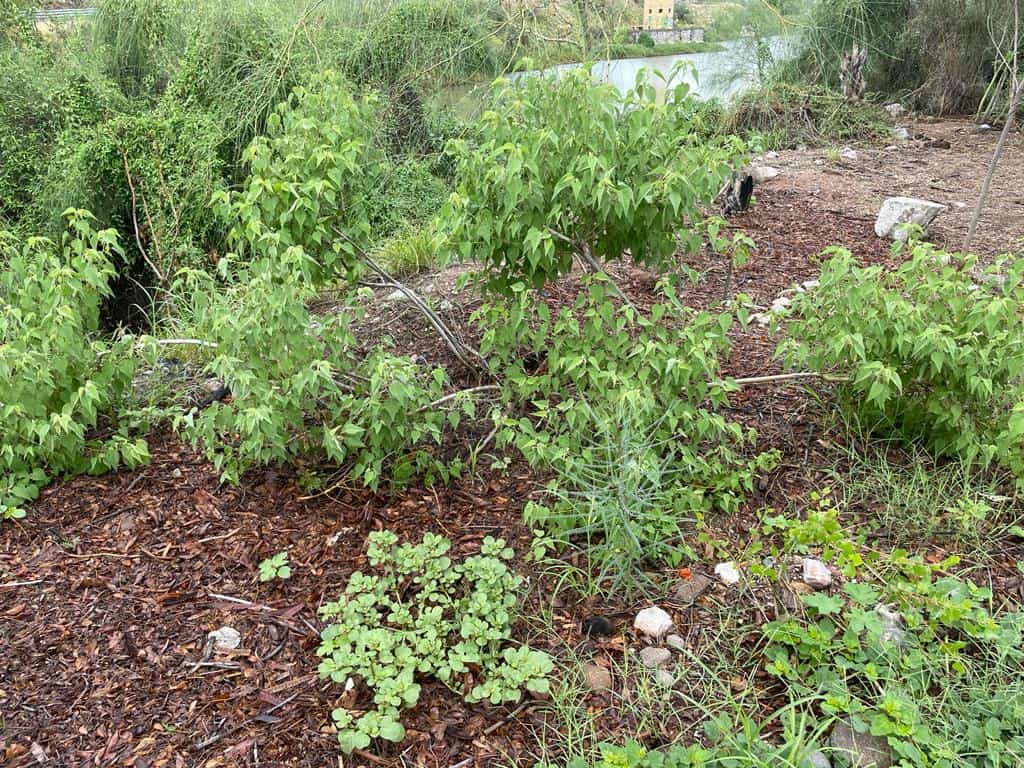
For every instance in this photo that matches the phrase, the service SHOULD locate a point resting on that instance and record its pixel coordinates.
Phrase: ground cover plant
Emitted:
(343, 422)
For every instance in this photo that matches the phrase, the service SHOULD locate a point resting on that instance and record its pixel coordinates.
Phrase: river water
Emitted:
(711, 75)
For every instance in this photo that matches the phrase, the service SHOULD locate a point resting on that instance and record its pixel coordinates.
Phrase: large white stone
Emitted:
(653, 622)
(763, 173)
(896, 211)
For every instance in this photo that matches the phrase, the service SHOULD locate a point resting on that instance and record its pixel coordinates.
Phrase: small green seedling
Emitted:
(275, 567)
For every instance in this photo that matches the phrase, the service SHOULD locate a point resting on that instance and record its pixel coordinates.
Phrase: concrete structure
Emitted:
(681, 35)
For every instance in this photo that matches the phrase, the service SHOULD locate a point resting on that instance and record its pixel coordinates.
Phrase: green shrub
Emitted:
(543, 185)
(926, 354)
(298, 383)
(58, 380)
(791, 115)
(426, 615)
(151, 177)
(312, 179)
(44, 95)
(619, 405)
(406, 194)
(132, 40)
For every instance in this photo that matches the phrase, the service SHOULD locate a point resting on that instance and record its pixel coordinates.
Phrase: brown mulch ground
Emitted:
(109, 587)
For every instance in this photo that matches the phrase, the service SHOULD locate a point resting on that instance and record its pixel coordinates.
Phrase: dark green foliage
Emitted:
(787, 116)
(42, 96)
(405, 194)
(169, 156)
(940, 51)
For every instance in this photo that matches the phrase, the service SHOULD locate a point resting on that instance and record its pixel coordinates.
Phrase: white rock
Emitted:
(771, 155)
(728, 573)
(816, 573)
(809, 285)
(225, 638)
(176, 473)
(818, 759)
(848, 153)
(905, 210)
(781, 303)
(652, 657)
(959, 204)
(901, 133)
(892, 148)
(763, 173)
(653, 622)
(819, 161)
(396, 295)
(665, 677)
(675, 642)
(895, 110)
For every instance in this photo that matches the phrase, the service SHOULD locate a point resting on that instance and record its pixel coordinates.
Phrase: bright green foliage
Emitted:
(423, 614)
(275, 567)
(311, 179)
(299, 383)
(620, 406)
(57, 379)
(942, 683)
(567, 167)
(931, 356)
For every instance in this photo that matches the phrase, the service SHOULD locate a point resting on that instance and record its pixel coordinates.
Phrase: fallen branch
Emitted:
(785, 377)
(453, 395)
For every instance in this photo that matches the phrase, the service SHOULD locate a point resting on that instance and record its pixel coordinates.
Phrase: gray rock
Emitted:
(653, 622)
(653, 658)
(848, 153)
(901, 133)
(675, 642)
(597, 677)
(897, 211)
(862, 749)
(817, 759)
(225, 638)
(763, 173)
(816, 573)
(396, 295)
(695, 586)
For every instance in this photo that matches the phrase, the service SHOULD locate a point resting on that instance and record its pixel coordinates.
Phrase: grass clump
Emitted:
(787, 116)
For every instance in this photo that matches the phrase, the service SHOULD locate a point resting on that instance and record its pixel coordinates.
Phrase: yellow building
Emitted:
(657, 14)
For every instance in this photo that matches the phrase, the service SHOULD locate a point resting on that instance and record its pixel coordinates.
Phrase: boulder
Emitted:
(763, 173)
(862, 749)
(897, 211)
(653, 622)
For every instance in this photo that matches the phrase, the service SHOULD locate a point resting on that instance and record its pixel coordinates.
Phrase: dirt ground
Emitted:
(109, 587)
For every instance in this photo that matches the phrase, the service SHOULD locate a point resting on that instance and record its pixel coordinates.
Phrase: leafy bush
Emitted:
(543, 186)
(57, 379)
(619, 406)
(297, 384)
(312, 178)
(406, 194)
(425, 615)
(790, 115)
(927, 355)
(150, 176)
(132, 40)
(44, 95)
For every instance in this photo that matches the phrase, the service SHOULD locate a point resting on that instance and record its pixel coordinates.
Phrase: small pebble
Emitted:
(652, 657)
(816, 573)
(597, 677)
(728, 573)
(225, 638)
(597, 626)
(675, 642)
